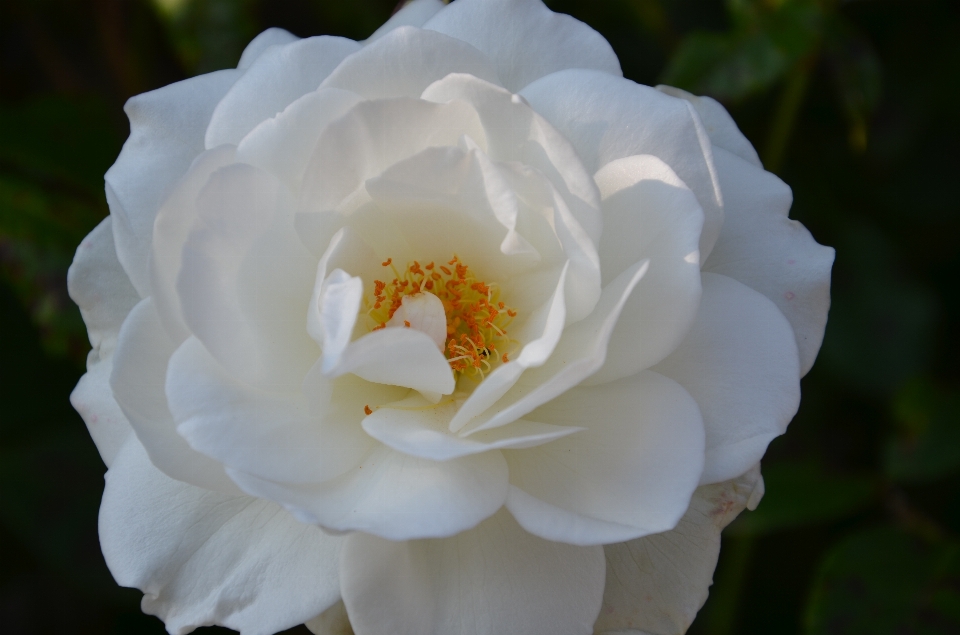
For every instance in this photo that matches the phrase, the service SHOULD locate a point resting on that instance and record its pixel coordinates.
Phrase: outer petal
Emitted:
(396, 496)
(139, 374)
(765, 250)
(718, 123)
(649, 213)
(740, 363)
(495, 578)
(270, 37)
(278, 77)
(205, 558)
(405, 61)
(608, 118)
(333, 621)
(658, 583)
(525, 39)
(166, 134)
(412, 14)
(102, 290)
(629, 474)
(246, 280)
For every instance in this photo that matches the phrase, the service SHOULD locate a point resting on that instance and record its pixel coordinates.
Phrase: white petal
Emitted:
(302, 438)
(495, 578)
(739, 361)
(138, 379)
(422, 312)
(719, 125)
(274, 80)
(166, 134)
(206, 558)
(102, 290)
(658, 583)
(374, 135)
(398, 357)
(282, 145)
(396, 496)
(768, 252)
(246, 279)
(608, 118)
(333, 314)
(416, 427)
(412, 14)
(580, 353)
(649, 213)
(525, 39)
(634, 467)
(405, 61)
(333, 621)
(270, 37)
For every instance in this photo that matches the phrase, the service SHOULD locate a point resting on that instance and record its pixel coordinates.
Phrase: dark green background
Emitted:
(854, 104)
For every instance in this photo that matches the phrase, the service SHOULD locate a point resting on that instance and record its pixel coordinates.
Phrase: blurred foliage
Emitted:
(853, 103)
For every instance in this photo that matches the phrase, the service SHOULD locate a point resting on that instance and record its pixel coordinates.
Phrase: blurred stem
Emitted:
(728, 588)
(785, 117)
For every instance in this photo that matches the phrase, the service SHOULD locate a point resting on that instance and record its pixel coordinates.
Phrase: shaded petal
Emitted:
(206, 558)
(405, 61)
(416, 427)
(762, 248)
(166, 134)
(658, 583)
(649, 213)
(303, 438)
(580, 353)
(495, 578)
(138, 379)
(412, 14)
(396, 496)
(719, 125)
(525, 39)
(608, 118)
(629, 474)
(100, 287)
(739, 361)
(267, 38)
(333, 621)
(333, 314)
(246, 280)
(274, 80)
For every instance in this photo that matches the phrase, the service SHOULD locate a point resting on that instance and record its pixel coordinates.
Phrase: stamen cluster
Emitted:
(477, 319)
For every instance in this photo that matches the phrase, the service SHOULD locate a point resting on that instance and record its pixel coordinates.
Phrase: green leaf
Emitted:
(799, 494)
(926, 442)
(886, 582)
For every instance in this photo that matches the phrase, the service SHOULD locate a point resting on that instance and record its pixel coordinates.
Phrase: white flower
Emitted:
(455, 324)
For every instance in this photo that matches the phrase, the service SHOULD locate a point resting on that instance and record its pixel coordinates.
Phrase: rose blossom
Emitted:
(450, 331)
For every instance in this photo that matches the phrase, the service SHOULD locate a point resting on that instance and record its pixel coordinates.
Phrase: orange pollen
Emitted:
(367, 410)
(477, 318)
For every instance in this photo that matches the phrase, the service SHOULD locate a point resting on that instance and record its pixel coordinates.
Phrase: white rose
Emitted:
(454, 325)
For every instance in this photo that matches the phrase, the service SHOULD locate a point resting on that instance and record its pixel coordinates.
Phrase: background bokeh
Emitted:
(853, 103)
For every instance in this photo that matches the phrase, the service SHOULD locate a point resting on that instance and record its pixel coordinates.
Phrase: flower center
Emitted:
(477, 319)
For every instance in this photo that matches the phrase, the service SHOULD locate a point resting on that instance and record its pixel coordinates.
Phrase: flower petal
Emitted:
(333, 621)
(267, 38)
(633, 468)
(649, 213)
(396, 496)
(495, 578)
(405, 61)
(333, 314)
(412, 14)
(166, 134)
(608, 118)
(301, 438)
(762, 248)
(246, 280)
(525, 39)
(739, 361)
(274, 80)
(658, 583)
(206, 558)
(719, 125)
(102, 290)
(138, 379)
(416, 427)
